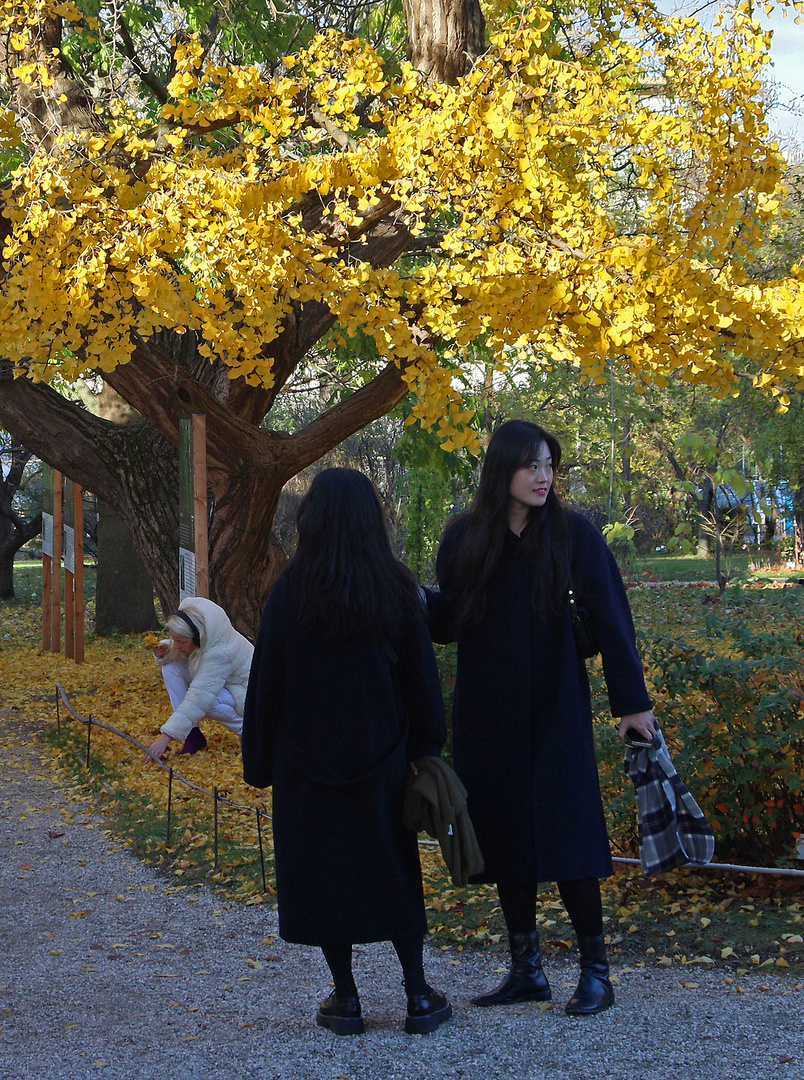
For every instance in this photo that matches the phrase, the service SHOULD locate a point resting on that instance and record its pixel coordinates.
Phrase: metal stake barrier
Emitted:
(262, 856)
(170, 803)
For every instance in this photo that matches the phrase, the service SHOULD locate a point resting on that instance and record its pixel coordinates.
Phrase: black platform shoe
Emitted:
(526, 981)
(426, 1012)
(594, 992)
(342, 1015)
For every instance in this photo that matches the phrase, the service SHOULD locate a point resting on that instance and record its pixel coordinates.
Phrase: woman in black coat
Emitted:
(522, 727)
(344, 692)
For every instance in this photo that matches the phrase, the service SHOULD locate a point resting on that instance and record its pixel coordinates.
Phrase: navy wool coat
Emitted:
(331, 725)
(522, 721)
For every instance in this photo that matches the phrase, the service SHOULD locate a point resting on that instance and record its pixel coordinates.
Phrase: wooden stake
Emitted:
(216, 826)
(69, 615)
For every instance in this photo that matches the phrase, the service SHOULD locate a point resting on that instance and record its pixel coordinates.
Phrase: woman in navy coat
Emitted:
(522, 726)
(344, 692)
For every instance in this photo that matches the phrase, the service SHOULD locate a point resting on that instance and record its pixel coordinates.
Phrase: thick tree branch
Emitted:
(70, 438)
(144, 75)
(162, 390)
(371, 401)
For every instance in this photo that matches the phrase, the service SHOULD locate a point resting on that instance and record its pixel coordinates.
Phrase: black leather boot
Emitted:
(526, 981)
(341, 1014)
(594, 992)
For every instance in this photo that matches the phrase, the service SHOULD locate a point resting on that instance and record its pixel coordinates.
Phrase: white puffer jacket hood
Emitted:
(222, 659)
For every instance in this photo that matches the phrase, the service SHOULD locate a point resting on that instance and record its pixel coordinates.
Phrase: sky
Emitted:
(786, 120)
(787, 53)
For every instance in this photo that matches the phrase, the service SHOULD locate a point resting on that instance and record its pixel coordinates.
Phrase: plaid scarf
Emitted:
(673, 830)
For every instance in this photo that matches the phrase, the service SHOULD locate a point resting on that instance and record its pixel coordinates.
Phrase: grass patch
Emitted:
(744, 566)
(28, 581)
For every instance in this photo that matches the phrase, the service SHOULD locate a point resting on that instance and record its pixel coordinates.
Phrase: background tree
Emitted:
(192, 224)
(17, 527)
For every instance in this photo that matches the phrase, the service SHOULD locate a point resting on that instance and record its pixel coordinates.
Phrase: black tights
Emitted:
(409, 950)
(581, 899)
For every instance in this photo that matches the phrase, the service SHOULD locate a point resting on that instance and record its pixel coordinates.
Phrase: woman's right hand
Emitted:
(643, 722)
(157, 749)
(160, 651)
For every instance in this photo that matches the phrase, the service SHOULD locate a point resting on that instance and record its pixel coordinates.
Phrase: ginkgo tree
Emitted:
(193, 230)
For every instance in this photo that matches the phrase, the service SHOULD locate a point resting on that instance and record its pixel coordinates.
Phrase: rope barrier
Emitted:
(731, 867)
(93, 720)
(218, 798)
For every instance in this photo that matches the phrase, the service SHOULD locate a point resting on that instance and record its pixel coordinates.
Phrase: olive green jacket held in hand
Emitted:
(435, 803)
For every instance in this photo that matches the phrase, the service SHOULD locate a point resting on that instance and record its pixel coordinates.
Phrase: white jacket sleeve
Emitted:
(211, 672)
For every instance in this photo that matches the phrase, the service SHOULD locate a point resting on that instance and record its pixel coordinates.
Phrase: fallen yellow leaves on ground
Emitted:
(684, 918)
(121, 685)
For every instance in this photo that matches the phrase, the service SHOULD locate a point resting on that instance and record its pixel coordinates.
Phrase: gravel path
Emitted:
(108, 970)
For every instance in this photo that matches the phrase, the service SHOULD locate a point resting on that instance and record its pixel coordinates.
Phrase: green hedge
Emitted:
(727, 676)
(729, 698)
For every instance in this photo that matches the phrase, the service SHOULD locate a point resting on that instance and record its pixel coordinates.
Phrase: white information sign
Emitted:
(47, 535)
(69, 549)
(186, 573)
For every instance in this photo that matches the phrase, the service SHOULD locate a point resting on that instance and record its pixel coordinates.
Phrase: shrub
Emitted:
(732, 712)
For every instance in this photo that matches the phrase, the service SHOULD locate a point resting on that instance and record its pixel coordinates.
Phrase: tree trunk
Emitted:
(445, 37)
(6, 569)
(705, 506)
(124, 596)
(14, 530)
(625, 476)
(798, 521)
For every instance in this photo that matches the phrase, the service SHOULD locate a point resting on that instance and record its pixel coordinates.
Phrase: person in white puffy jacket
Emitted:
(205, 665)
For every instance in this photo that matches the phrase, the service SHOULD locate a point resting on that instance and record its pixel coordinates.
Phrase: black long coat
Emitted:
(331, 725)
(522, 721)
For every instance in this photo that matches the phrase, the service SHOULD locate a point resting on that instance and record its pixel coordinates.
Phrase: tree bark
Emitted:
(131, 467)
(798, 520)
(124, 596)
(14, 530)
(445, 37)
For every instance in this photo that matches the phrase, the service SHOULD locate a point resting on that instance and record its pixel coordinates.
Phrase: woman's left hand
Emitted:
(643, 722)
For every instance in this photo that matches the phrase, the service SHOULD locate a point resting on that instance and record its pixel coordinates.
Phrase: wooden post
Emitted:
(200, 505)
(69, 576)
(47, 553)
(69, 615)
(47, 592)
(79, 610)
(55, 597)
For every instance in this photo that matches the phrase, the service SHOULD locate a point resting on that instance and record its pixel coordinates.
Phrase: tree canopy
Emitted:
(191, 218)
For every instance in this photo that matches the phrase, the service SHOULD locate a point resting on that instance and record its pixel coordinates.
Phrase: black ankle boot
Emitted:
(526, 981)
(341, 1014)
(594, 992)
(426, 1012)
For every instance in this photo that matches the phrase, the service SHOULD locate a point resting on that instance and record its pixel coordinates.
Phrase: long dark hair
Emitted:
(344, 577)
(545, 538)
